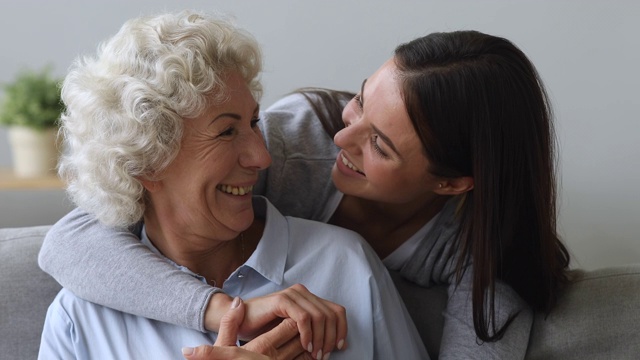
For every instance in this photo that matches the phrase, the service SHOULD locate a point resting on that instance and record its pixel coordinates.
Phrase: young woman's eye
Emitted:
(376, 148)
(254, 122)
(358, 100)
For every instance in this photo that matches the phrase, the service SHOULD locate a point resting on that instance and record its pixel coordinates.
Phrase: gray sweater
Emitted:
(121, 273)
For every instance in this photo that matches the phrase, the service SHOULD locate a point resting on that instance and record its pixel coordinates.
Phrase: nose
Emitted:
(347, 137)
(254, 153)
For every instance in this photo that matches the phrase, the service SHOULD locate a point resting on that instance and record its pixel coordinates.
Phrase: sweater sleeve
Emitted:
(111, 267)
(298, 182)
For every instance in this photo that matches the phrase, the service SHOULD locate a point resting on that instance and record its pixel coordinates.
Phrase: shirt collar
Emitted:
(270, 257)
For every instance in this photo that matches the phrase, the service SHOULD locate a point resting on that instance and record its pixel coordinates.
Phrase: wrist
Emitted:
(218, 305)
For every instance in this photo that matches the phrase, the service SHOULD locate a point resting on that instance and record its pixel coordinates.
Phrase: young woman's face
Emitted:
(208, 185)
(382, 158)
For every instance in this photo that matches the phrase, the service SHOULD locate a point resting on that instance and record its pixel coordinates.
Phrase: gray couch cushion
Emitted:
(25, 292)
(597, 317)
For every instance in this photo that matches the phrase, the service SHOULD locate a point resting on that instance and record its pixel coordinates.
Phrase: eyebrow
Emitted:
(234, 115)
(362, 91)
(382, 135)
(385, 138)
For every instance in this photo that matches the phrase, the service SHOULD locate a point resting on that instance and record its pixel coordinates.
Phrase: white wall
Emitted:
(586, 51)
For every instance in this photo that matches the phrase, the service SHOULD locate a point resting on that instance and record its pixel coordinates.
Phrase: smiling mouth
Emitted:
(348, 164)
(235, 190)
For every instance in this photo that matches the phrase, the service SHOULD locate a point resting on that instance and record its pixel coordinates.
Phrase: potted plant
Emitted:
(30, 108)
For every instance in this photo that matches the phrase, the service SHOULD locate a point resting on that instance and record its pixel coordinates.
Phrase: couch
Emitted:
(598, 315)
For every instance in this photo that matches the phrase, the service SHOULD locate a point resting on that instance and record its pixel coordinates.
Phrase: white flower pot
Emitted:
(35, 152)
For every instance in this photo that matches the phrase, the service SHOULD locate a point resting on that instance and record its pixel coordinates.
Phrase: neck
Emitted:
(385, 226)
(213, 258)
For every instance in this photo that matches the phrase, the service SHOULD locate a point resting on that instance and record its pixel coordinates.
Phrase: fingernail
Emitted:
(236, 302)
(326, 356)
(340, 344)
(187, 351)
(319, 355)
(310, 347)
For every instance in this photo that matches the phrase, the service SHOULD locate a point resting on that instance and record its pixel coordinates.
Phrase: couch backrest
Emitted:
(597, 317)
(25, 292)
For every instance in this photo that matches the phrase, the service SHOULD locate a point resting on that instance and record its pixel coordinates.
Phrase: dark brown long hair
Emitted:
(481, 110)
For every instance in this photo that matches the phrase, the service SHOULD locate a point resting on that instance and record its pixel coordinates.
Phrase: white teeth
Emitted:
(235, 190)
(349, 164)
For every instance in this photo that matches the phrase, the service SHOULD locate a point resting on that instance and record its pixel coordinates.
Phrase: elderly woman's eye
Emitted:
(227, 132)
(254, 122)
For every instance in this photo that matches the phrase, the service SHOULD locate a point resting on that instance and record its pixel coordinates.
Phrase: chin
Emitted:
(245, 219)
(345, 184)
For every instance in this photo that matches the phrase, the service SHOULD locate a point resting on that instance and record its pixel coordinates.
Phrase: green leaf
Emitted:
(32, 100)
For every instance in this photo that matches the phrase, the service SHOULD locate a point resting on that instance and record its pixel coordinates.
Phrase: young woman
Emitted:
(445, 165)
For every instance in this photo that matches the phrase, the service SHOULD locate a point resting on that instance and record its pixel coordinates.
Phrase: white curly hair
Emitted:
(125, 107)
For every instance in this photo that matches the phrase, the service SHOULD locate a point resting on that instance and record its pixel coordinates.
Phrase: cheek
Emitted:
(380, 172)
(402, 178)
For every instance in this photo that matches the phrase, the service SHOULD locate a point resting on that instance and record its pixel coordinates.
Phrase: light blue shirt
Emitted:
(332, 262)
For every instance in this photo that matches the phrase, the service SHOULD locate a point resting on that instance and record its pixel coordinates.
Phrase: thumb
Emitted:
(200, 352)
(229, 324)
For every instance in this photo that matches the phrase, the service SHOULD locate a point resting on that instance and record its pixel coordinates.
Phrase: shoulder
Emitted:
(298, 181)
(293, 118)
(69, 306)
(59, 310)
(331, 241)
(65, 312)
(290, 103)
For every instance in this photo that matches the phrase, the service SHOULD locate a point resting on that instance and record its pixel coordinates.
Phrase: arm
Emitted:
(113, 268)
(119, 272)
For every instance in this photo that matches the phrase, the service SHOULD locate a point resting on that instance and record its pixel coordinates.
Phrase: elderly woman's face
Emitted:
(207, 188)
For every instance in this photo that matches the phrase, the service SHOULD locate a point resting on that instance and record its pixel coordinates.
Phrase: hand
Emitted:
(279, 343)
(322, 324)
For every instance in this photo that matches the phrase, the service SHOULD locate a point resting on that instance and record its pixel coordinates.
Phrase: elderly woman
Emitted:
(161, 126)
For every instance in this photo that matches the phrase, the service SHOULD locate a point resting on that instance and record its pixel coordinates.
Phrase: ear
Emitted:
(150, 185)
(454, 186)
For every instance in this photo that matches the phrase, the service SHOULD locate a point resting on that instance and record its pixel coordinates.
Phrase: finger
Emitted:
(201, 352)
(304, 356)
(331, 321)
(314, 317)
(275, 338)
(293, 350)
(208, 352)
(341, 326)
(229, 324)
(323, 321)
